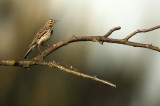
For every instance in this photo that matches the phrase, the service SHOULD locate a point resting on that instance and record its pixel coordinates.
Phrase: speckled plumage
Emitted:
(42, 36)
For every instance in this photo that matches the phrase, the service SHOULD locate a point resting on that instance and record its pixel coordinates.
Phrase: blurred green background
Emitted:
(135, 71)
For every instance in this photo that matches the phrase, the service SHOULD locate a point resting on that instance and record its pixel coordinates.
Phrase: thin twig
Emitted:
(140, 31)
(28, 63)
(112, 30)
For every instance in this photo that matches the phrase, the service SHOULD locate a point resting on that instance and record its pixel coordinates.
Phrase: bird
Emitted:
(41, 37)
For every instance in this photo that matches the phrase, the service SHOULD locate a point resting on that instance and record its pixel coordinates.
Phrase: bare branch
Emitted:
(100, 39)
(28, 63)
(140, 31)
(112, 30)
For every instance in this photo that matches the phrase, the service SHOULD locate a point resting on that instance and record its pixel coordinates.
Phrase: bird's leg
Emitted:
(39, 50)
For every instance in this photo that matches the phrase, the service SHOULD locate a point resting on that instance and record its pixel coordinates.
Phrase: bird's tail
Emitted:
(29, 51)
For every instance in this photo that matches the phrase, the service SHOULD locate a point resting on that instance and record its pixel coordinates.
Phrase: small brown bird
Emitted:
(42, 36)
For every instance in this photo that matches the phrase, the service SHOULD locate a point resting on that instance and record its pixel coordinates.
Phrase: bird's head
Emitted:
(50, 23)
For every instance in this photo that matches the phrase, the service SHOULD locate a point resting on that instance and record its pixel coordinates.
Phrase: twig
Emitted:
(28, 63)
(112, 30)
(140, 31)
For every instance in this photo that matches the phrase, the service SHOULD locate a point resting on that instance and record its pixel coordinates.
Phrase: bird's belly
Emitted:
(43, 39)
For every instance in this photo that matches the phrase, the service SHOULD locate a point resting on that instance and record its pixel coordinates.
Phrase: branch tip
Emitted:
(112, 30)
(141, 31)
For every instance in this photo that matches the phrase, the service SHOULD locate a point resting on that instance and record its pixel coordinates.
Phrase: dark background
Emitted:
(135, 71)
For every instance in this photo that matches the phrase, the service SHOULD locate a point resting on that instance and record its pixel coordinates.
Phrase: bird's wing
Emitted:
(39, 34)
